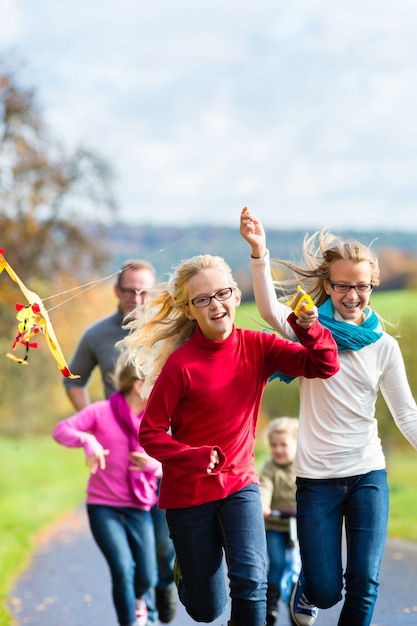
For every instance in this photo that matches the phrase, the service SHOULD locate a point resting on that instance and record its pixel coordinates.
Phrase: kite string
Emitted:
(81, 289)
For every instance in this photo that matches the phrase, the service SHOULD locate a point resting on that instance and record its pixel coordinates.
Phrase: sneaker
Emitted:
(271, 617)
(141, 612)
(302, 612)
(166, 603)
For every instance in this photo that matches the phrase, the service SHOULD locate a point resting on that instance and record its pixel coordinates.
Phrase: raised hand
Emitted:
(253, 232)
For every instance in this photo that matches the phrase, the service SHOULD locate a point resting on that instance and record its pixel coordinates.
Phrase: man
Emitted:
(97, 348)
(97, 345)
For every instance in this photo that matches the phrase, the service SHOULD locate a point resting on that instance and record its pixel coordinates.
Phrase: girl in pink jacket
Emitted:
(121, 490)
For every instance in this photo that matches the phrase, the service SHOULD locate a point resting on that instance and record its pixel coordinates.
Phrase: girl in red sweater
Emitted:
(208, 378)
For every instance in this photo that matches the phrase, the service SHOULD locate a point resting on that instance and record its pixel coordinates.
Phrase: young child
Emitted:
(208, 379)
(121, 491)
(277, 487)
(339, 464)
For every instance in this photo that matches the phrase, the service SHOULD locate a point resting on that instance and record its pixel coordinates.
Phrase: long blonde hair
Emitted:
(164, 325)
(320, 251)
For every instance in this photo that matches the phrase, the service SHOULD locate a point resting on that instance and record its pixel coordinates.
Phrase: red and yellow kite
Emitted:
(33, 318)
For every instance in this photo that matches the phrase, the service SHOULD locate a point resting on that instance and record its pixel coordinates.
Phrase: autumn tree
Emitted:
(398, 268)
(45, 193)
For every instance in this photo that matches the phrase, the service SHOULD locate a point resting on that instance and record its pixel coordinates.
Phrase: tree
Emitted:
(44, 196)
(46, 193)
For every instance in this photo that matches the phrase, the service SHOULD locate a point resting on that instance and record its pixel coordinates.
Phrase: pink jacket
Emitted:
(96, 427)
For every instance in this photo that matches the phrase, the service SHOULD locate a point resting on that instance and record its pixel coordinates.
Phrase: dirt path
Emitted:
(68, 584)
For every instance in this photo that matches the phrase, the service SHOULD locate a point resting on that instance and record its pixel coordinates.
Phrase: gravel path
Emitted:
(68, 584)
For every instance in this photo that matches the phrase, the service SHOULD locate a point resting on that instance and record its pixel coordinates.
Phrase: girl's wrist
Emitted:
(258, 253)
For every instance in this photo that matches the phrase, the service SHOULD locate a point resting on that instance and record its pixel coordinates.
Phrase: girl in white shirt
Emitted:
(339, 464)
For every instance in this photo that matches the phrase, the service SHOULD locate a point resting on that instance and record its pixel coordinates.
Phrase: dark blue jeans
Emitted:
(126, 538)
(165, 551)
(233, 527)
(276, 542)
(362, 503)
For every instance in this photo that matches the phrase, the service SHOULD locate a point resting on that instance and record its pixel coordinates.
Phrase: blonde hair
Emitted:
(164, 325)
(320, 251)
(282, 425)
(126, 374)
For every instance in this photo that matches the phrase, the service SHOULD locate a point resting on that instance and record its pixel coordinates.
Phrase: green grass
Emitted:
(39, 482)
(395, 306)
(247, 316)
(402, 468)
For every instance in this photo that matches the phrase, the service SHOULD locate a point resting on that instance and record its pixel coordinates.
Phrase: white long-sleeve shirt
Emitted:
(338, 431)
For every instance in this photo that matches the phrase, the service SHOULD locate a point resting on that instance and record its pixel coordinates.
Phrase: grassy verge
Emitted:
(39, 482)
(402, 468)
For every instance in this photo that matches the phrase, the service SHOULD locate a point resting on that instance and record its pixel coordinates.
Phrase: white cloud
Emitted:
(303, 110)
(10, 22)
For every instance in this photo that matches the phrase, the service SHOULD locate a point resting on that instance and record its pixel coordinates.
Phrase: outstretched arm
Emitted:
(75, 432)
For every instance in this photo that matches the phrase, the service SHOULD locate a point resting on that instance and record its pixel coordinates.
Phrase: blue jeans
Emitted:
(362, 502)
(165, 551)
(126, 538)
(276, 542)
(235, 526)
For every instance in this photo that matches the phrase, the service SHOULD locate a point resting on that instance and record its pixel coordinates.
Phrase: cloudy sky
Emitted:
(304, 110)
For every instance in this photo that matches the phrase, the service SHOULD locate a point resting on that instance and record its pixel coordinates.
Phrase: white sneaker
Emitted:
(302, 612)
(141, 611)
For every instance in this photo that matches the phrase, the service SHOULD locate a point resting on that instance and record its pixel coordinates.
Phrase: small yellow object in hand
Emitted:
(301, 300)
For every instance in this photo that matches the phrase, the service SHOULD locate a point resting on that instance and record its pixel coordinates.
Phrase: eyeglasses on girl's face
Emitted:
(203, 301)
(343, 288)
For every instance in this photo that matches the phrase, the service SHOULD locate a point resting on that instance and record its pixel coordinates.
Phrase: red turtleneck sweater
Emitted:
(209, 394)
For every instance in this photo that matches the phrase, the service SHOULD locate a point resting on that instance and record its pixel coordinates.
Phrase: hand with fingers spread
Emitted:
(97, 460)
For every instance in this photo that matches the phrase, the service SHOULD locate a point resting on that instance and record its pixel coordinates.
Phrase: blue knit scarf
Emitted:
(347, 336)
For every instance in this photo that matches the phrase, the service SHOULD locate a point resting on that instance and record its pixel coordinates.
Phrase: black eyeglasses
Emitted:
(133, 292)
(202, 301)
(342, 288)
